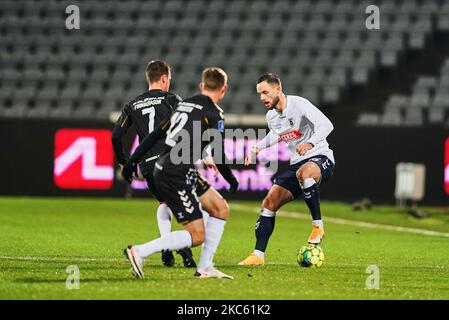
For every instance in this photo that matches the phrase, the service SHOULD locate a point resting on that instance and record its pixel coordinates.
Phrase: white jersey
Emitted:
(300, 122)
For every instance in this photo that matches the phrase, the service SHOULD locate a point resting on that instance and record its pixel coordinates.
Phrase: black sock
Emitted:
(312, 198)
(264, 229)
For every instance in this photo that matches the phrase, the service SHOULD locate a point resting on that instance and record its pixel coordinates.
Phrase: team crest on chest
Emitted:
(290, 120)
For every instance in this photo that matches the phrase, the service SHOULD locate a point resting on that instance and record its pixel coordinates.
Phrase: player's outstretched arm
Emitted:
(270, 139)
(227, 174)
(222, 163)
(222, 166)
(216, 121)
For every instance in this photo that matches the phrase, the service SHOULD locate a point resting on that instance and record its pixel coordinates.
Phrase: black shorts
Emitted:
(201, 185)
(177, 186)
(148, 172)
(288, 180)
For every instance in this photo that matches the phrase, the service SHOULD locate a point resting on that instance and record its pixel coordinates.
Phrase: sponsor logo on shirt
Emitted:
(290, 135)
(221, 126)
(147, 102)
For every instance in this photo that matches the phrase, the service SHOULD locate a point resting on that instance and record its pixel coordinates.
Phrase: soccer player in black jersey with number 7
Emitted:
(145, 113)
(196, 123)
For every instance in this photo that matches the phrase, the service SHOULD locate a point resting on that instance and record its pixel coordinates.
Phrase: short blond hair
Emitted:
(214, 78)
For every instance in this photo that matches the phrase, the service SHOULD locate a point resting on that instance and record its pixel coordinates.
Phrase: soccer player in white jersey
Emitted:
(304, 129)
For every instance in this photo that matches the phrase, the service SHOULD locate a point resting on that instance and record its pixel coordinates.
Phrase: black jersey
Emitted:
(186, 134)
(189, 130)
(146, 112)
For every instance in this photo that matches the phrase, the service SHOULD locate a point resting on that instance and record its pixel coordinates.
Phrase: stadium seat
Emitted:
(194, 6)
(414, 117)
(391, 119)
(441, 99)
(443, 22)
(311, 93)
(331, 94)
(85, 110)
(18, 110)
(437, 115)
(420, 98)
(368, 119)
(426, 83)
(321, 47)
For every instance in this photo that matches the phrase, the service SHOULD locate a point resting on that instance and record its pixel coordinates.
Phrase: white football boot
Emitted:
(135, 261)
(211, 272)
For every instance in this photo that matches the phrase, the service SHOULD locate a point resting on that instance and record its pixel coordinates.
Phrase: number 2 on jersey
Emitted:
(178, 122)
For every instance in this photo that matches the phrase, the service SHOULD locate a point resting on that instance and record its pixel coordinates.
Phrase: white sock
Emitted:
(175, 240)
(267, 213)
(307, 183)
(318, 223)
(259, 254)
(214, 231)
(205, 215)
(164, 219)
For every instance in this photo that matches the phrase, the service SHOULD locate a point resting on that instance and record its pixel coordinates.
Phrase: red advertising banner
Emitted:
(83, 159)
(446, 166)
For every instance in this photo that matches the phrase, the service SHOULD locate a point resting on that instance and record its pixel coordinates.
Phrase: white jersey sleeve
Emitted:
(270, 139)
(321, 124)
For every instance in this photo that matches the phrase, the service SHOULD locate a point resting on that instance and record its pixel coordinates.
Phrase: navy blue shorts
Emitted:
(288, 180)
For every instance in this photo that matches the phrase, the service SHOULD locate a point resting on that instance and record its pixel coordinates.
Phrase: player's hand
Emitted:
(303, 148)
(129, 171)
(234, 186)
(209, 163)
(249, 158)
(121, 167)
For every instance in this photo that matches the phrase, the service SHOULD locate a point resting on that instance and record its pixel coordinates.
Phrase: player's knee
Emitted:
(219, 210)
(270, 203)
(303, 174)
(223, 211)
(197, 237)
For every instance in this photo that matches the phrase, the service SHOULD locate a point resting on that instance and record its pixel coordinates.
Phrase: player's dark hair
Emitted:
(214, 78)
(270, 78)
(156, 69)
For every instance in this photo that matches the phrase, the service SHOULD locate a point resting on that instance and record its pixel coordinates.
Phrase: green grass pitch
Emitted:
(40, 238)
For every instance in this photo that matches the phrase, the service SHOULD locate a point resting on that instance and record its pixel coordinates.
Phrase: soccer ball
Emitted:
(311, 255)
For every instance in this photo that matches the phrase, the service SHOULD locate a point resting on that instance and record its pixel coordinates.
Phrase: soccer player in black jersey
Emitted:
(196, 123)
(146, 112)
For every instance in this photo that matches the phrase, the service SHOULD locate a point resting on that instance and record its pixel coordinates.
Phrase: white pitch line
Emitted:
(62, 259)
(303, 216)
